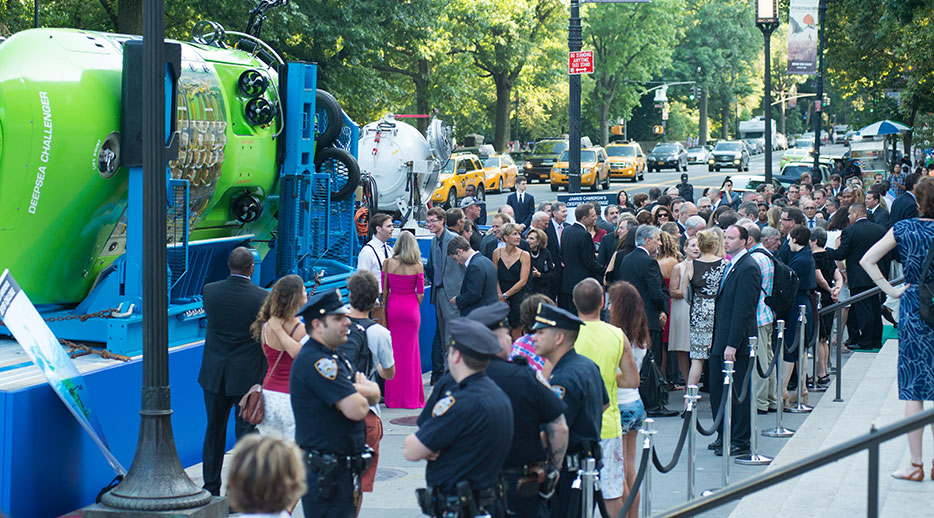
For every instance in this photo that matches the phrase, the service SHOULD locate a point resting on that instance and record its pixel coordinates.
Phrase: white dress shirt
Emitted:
(371, 258)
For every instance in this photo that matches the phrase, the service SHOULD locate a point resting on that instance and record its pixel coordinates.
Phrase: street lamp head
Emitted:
(766, 11)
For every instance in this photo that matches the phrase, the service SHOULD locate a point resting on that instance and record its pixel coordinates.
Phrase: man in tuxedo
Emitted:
(734, 323)
(446, 277)
(479, 287)
(522, 203)
(875, 211)
(864, 323)
(906, 205)
(232, 360)
(577, 250)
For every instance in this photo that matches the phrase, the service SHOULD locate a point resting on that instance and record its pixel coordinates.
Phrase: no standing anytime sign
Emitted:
(580, 62)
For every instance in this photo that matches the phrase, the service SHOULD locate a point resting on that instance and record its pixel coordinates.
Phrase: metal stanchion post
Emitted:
(725, 437)
(800, 407)
(779, 430)
(839, 374)
(648, 430)
(692, 397)
(817, 324)
(753, 458)
(588, 479)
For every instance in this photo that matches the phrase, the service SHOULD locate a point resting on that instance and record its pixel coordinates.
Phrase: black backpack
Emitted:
(356, 348)
(784, 286)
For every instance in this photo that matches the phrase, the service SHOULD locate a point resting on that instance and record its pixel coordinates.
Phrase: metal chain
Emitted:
(104, 313)
(82, 350)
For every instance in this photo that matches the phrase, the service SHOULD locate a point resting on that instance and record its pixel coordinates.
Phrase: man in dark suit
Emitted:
(479, 288)
(522, 203)
(640, 269)
(579, 256)
(864, 323)
(554, 231)
(232, 361)
(906, 205)
(734, 323)
(876, 212)
(445, 276)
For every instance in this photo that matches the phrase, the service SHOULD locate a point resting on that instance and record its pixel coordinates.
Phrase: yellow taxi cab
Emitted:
(461, 170)
(594, 169)
(499, 173)
(626, 161)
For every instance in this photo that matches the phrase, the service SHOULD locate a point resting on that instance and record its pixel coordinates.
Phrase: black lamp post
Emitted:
(767, 22)
(819, 103)
(575, 43)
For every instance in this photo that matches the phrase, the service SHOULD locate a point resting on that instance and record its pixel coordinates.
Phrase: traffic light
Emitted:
(693, 92)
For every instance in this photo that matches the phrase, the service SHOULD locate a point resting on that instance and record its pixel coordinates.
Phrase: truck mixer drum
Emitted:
(260, 111)
(252, 83)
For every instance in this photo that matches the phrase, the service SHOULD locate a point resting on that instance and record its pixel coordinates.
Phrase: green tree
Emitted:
(501, 37)
(631, 44)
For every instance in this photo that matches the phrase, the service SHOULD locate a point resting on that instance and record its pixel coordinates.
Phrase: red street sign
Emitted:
(580, 62)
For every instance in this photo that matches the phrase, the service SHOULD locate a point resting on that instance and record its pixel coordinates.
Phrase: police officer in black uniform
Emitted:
(528, 470)
(576, 380)
(330, 402)
(464, 438)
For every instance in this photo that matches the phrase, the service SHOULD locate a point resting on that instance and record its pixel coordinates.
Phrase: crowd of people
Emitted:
(544, 326)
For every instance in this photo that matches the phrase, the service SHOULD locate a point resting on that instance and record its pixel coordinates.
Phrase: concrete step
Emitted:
(870, 394)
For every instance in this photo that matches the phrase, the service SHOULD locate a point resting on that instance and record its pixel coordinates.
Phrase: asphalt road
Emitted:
(698, 176)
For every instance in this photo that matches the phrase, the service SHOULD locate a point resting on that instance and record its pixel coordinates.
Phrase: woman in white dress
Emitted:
(679, 334)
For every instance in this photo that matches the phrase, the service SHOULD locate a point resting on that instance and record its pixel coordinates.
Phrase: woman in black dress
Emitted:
(802, 262)
(543, 267)
(513, 269)
(829, 280)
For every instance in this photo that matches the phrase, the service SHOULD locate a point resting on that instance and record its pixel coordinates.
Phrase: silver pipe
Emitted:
(726, 437)
(753, 457)
(648, 430)
(588, 479)
(692, 397)
(800, 407)
(779, 430)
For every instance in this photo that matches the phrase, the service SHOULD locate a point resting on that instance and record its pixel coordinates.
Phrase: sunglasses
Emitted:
(665, 214)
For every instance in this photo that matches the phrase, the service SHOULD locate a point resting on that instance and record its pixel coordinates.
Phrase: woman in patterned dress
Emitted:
(704, 274)
(913, 238)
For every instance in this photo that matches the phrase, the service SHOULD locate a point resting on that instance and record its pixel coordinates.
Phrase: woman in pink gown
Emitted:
(403, 290)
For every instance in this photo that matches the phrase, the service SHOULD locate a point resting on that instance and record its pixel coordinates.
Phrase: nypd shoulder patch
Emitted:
(443, 405)
(558, 390)
(327, 367)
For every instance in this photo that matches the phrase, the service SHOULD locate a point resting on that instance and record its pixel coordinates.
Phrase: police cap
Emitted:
(494, 316)
(473, 338)
(326, 303)
(553, 316)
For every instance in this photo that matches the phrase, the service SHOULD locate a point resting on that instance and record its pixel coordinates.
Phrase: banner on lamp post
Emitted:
(802, 36)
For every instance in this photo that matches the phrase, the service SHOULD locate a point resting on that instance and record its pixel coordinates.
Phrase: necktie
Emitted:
(386, 250)
(560, 230)
(810, 223)
(439, 258)
(521, 197)
(726, 272)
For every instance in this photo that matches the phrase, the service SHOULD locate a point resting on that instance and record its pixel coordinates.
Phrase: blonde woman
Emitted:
(667, 257)
(403, 291)
(704, 273)
(266, 477)
(679, 333)
(513, 266)
(280, 332)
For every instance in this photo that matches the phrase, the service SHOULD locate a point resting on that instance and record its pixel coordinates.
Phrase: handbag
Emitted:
(252, 409)
(926, 290)
(652, 386)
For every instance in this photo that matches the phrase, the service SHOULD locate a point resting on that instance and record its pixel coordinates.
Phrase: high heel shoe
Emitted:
(915, 475)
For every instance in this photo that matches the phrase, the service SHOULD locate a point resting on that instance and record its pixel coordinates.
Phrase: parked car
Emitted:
(668, 155)
(626, 161)
(699, 154)
(461, 170)
(499, 173)
(543, 156)
(595, 170)
(753, 145)
(729, 153)
(749, 182)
